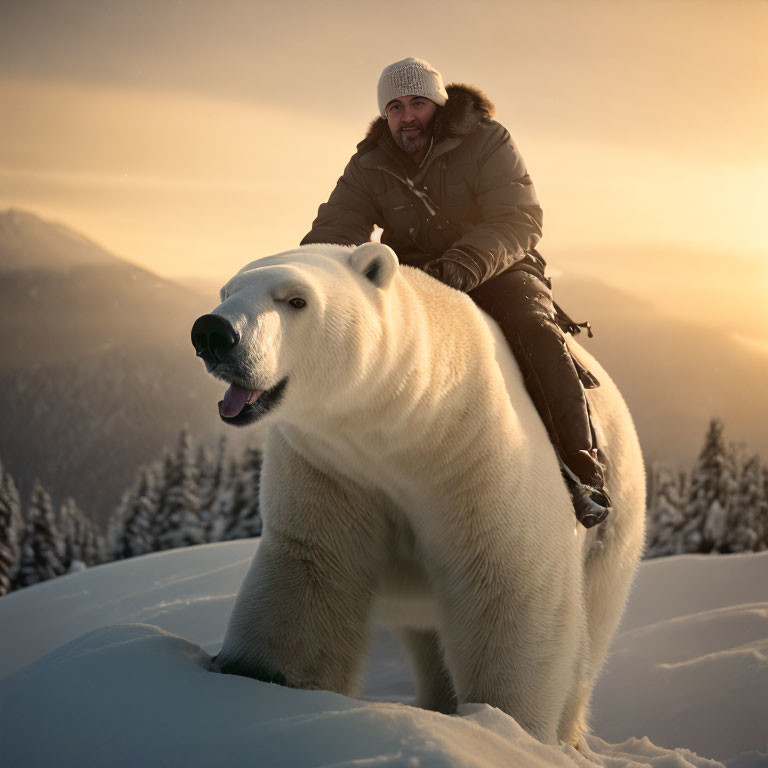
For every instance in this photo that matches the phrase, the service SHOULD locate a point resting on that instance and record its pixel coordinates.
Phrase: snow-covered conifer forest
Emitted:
(720, 505)
(191, 495)
(194, 495)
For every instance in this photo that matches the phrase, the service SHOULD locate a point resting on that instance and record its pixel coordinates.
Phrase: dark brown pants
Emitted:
(520, 301)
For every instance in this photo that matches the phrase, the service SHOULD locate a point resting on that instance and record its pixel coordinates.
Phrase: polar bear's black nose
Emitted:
(213, 336)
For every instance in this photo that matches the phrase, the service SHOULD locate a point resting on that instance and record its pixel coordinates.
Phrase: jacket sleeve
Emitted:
(349, 215)
(510, 217)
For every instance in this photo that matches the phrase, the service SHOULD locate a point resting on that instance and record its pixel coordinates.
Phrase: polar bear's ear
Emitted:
(375, 261)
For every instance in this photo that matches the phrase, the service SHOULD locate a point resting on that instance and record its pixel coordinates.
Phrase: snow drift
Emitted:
(112, 667)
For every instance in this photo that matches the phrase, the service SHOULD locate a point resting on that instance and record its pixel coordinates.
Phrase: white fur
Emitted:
(407, 478)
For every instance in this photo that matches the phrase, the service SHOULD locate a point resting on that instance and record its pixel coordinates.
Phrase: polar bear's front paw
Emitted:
(245, 669)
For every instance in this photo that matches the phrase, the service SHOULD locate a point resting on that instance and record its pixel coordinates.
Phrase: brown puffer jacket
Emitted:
(472, 193)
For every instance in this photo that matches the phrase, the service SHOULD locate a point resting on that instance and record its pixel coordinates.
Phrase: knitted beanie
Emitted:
(410, 77)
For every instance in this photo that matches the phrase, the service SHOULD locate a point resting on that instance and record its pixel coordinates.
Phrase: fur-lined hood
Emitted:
(465, 109)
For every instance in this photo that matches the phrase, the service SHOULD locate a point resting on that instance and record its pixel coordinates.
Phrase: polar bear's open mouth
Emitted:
(242, 406)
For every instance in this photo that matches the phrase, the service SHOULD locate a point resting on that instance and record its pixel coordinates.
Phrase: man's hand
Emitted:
(456, 269)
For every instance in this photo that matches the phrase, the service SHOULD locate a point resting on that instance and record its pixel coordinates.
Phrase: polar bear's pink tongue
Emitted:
(235, 399)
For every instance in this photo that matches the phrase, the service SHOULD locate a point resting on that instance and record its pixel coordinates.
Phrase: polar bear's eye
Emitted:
(297, 303)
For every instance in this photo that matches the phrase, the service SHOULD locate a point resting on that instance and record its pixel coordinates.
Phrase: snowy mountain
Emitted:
(112, 667)
(28, 242)
(98, 372)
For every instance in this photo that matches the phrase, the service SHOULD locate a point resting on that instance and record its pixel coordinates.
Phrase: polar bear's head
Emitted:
(298, 329)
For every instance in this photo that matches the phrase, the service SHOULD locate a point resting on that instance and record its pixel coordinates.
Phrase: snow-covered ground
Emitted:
(111, 667)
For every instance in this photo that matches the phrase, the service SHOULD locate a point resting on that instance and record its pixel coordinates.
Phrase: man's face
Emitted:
(410, 121)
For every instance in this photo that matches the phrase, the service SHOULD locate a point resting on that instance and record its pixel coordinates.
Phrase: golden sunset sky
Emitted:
(190, 137)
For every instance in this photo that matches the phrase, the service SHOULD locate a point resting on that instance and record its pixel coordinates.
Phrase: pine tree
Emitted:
(138, 512)
(231, 501)
(721, 522)
(712, 480)
(11, 532)
(82, 545)
(245, 518)
(164, 473)
(222, 499)
(115, 528)
(42, 555)
(762, 542)
(747, 510)
(665, 513)
(179, 523)
(211, 474)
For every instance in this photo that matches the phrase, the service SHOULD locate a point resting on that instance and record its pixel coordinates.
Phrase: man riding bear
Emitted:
(452, 194)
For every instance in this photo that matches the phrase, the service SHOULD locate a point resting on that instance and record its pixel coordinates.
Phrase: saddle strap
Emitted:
(567, 325)
(586, 377)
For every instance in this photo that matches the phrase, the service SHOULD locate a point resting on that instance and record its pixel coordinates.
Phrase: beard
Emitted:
(412, 141)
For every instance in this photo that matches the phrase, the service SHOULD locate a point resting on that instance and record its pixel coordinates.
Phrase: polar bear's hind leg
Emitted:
(434, 685)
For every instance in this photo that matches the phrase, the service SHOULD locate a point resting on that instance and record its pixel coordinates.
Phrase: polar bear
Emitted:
(407, 479)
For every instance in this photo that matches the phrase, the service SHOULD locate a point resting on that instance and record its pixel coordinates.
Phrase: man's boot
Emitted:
(590, 499)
